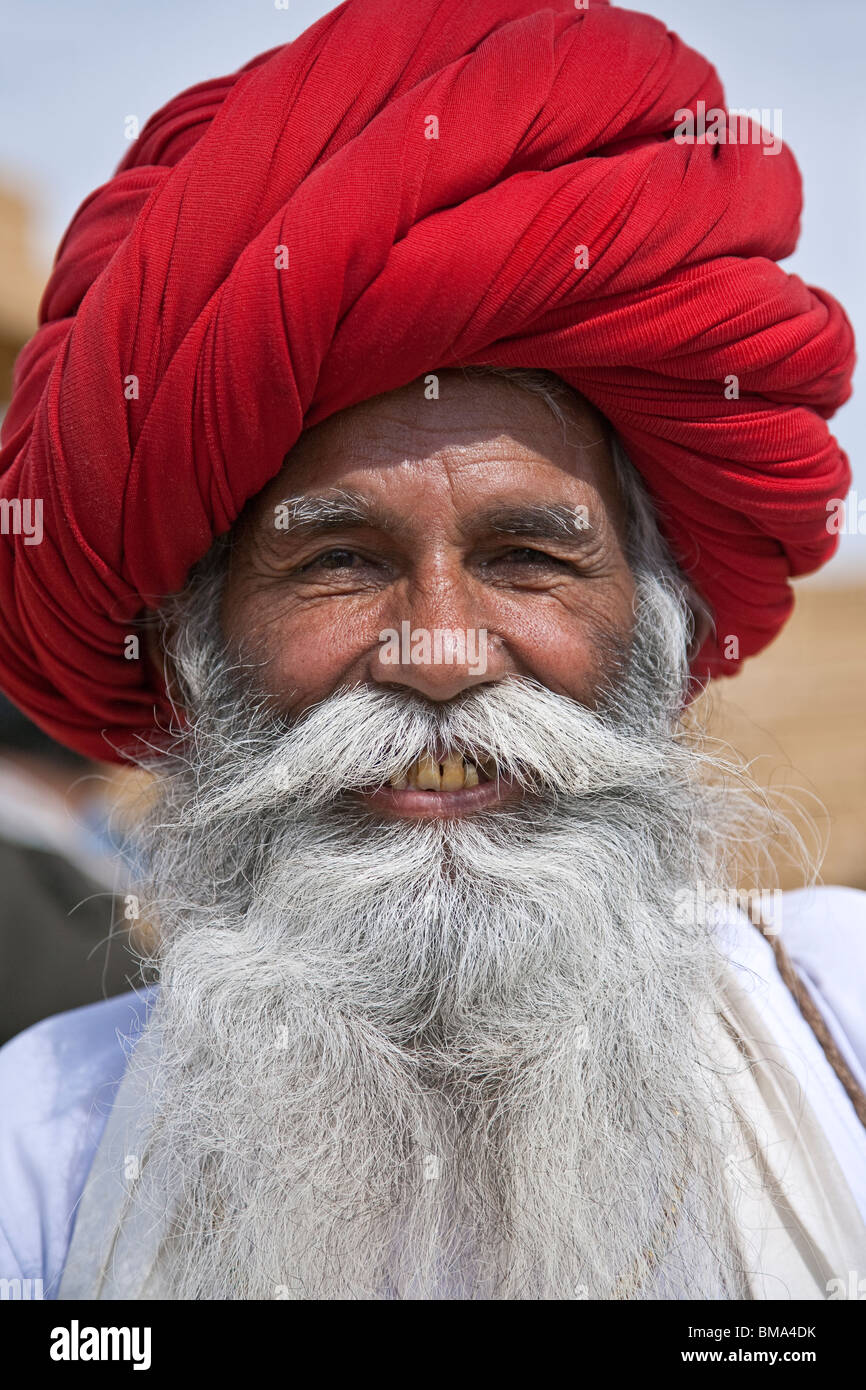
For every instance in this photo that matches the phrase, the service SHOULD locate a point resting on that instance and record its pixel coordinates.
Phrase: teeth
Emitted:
(429, 779)
(451, 775)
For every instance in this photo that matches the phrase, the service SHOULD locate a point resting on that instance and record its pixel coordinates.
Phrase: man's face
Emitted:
(468, 514)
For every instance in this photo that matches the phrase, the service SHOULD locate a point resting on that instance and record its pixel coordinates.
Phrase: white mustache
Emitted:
(359, 738)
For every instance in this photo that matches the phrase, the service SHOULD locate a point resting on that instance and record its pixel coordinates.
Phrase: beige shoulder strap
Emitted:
(813, 1016)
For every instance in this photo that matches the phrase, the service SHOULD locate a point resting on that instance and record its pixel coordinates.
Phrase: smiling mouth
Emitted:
(453, 774)
(443, 788)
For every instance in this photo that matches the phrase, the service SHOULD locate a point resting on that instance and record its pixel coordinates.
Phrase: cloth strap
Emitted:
(813, 1016)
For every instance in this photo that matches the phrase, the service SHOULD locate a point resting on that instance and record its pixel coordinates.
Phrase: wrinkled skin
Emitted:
(310, 605)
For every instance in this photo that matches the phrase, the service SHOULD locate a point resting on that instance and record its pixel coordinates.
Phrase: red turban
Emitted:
(429, 170)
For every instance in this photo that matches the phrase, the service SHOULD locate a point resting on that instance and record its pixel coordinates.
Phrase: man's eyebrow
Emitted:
(544, 521)
(328, 512)
(309, 514)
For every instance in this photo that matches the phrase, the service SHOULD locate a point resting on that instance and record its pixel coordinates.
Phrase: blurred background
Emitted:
(74, 83)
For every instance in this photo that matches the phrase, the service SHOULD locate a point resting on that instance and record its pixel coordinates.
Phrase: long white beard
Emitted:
(459, 1059)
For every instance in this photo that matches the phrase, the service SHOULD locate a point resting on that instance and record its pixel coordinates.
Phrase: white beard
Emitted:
(458, 1059)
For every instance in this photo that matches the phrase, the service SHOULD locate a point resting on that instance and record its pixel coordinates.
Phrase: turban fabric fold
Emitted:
(407, 187)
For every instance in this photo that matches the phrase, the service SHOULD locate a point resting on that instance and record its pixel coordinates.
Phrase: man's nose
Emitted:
(438, 645)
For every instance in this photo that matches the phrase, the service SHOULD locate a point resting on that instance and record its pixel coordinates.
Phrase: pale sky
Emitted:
(70, 74)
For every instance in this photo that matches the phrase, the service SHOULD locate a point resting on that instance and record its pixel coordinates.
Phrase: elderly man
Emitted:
(446, 1006)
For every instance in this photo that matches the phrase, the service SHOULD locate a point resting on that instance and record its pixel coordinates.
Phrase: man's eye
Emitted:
(335, 560)
(525, 555)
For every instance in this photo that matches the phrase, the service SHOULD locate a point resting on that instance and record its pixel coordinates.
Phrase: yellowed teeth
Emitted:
(451, 775)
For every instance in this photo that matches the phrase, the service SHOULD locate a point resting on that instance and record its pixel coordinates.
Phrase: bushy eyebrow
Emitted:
(328, 512)
(547, 521)
(308, 515)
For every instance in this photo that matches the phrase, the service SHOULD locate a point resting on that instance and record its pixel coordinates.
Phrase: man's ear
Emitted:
(703, 624)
